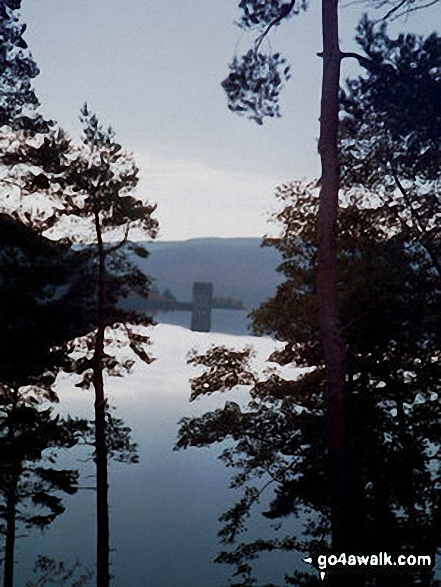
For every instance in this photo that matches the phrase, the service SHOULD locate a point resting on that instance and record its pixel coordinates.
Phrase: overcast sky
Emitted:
(152, 69)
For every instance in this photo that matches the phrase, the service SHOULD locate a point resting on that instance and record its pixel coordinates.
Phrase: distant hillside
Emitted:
(237, 267)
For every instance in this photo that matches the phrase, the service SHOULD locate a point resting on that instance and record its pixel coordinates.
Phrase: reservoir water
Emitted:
(222, 321)
(164, 510)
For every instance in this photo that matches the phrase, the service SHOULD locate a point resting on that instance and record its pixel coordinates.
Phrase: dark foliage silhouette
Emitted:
(276, 441)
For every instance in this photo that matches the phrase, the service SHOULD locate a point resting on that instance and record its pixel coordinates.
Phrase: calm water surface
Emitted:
(225, 321)
(163, 510)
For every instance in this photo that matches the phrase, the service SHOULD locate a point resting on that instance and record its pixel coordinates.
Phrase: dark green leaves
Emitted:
(390, 133)
(261, 13)
(17, 69)
(274, 435)
(226, 369)
(255, 80)
(392, 116)
(254, 83)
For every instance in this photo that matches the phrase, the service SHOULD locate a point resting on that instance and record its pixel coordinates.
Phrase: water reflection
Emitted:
(278, 450)
(34, 327)
(112, 441)
(51, 572)
(277, 438)
(163, 512)
(222, 320)
(46, 307)
(31, 486)
(95, 356)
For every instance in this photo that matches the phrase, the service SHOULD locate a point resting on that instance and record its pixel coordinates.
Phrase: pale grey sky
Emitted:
(152, 69)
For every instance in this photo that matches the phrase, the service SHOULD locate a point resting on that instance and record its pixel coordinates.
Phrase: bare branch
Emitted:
(405, 195)
(394, 9)
(284, 13)
(417, 219)
(393, 12)
(122, 241)
(427, 5)
(403, 8)
(9, 182)
(364, 61)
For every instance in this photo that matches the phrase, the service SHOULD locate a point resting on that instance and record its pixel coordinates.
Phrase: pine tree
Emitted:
(253, 87)
(89, 185)
(18, 102)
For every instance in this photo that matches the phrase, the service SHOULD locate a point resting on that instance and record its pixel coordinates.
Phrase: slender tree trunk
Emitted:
(8, 576)
(102, 486)
(332, 339)
(103, 576)
(11, 506)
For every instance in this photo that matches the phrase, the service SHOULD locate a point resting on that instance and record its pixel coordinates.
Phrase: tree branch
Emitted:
(394, 9)
(122, 241)
(284, 13)
(354, 320)
(364, 61)
(421, 7)
(9, 182)
(408, 201)
(417, 218)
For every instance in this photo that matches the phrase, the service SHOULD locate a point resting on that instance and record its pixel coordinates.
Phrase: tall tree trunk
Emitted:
(102, 486)
(102, 546)
(8, 575)
(11, 503)
(332, 340)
